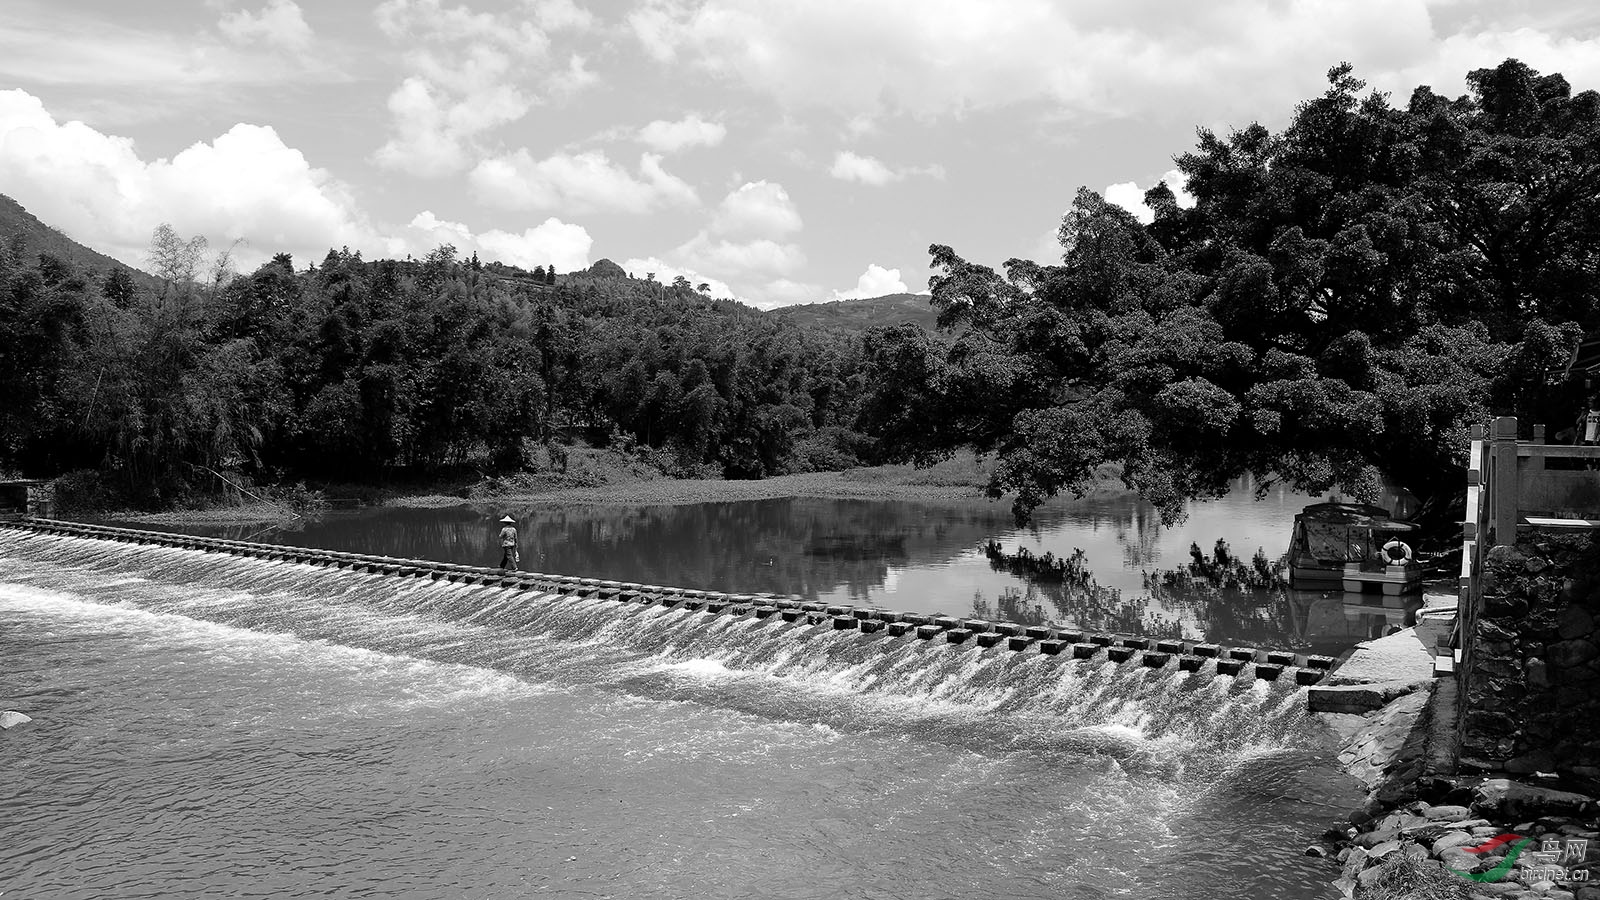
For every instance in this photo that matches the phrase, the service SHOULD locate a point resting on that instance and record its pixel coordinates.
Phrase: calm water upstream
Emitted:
(925, 557)
(220, 726)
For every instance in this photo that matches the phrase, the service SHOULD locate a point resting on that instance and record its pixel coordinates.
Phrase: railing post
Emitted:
(1503, 481)
(1536, 463)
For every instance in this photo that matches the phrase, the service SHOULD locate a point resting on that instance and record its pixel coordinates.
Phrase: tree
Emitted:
(1343, 299)
(174, 260)
(118, 286)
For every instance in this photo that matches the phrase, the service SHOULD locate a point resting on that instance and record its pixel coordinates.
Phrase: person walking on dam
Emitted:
(508, 543)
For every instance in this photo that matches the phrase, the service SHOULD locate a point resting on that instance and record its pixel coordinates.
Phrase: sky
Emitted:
(781, 151)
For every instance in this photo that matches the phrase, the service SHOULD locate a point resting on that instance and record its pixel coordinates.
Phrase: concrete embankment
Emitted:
(1426, 830)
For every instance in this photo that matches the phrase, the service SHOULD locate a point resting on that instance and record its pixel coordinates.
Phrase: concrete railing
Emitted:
(1189, 656)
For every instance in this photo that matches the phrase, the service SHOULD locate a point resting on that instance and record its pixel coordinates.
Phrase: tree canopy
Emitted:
(1341, 301)
(355, 371)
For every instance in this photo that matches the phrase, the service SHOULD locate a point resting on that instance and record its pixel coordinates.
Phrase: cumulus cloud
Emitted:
(1127, 194)
(552, 242)
(581, 182)
(784, 292)
(280, 23)
(470, 73)
(666, 272)
(558, 15)
(876, 281)
(848, 166)
(757, 208)
(1087, 57)
(245, 184)
(748, 245)
(762, 256)
(689, 131)
(1130, 196)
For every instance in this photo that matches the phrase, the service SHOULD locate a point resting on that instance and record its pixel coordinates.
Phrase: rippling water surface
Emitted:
(220, 726)
(901, 555)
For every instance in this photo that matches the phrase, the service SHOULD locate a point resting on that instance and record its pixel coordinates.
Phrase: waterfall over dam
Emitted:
(764, 655)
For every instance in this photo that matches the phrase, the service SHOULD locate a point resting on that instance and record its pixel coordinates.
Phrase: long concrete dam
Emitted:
(893, 628)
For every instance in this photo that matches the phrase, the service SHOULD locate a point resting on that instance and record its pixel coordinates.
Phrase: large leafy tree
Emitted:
(1341, 301)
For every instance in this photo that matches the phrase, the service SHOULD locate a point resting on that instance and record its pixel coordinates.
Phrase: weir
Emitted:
(889, 629)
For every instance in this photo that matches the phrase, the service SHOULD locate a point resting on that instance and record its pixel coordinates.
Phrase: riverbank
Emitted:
(603, 481)
(1426, 831)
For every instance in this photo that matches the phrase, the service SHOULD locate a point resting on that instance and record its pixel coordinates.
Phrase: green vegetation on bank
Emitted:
(357, 371)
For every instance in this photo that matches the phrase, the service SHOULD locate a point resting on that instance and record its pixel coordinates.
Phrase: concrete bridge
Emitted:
(889, 625)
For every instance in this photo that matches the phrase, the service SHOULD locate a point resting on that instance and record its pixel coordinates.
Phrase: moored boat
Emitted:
(1352, 547)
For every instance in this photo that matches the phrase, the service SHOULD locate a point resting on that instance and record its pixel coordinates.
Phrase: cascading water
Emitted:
(1127, 741)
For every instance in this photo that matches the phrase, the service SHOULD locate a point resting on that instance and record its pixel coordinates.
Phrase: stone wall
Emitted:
(42, 499)
(1530, 688)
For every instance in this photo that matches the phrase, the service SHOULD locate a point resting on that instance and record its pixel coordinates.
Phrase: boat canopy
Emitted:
(1354, 515)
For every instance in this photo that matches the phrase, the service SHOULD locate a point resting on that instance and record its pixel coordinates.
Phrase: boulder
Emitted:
(1450, 840)
(1374, 838)
(1459, 859)
(1382, 850)
(1501, 798)
(1448, 813)
(12, 718)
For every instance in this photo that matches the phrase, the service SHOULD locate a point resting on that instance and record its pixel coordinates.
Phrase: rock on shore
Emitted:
(1424, 846)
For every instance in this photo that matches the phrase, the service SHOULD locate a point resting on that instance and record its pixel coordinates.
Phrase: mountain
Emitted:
(38, 237)
(859, 315)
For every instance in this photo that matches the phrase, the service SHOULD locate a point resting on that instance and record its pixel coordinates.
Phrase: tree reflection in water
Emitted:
(1074, 596)
(1219, 597)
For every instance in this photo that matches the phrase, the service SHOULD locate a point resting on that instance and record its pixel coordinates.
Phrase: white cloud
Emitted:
(760, 256)
(579, 182)
(848, 166)
(1130, 196)
(137, 71)
(666, 272)
(558, 15)
(690, 131)
(746, 244)
(280, 23)
(552, 242)
(1126, 194)
(1446, 68)
(784, 292)
(574, 78)
(245, 184)
(1109, 58)
(470, 73)
(876, 281)
(757, 208)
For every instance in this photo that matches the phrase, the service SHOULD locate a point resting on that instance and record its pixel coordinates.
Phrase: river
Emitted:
(209, 726)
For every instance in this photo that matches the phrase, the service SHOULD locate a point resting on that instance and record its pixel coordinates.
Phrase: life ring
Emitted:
(1396, 553)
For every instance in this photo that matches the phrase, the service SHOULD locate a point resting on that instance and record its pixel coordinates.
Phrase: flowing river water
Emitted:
(221, 726)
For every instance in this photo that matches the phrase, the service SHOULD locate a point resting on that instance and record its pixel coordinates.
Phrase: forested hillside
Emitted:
(358, 370)
(868, 312)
